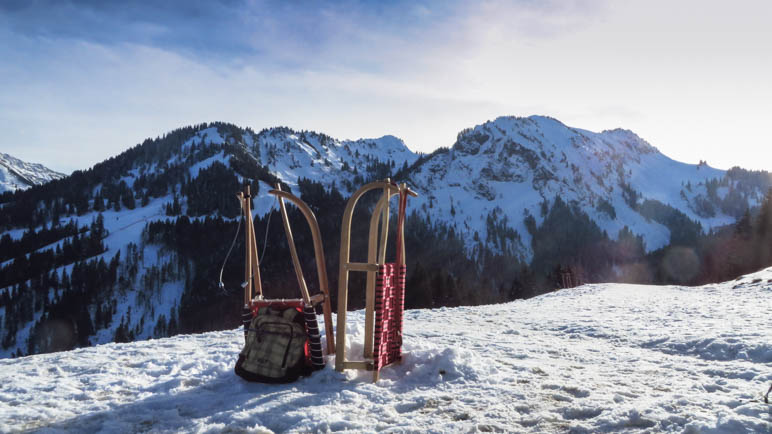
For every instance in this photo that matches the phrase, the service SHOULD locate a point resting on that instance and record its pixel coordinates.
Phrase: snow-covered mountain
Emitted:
(514, 168)
(291, 155)
(597, 358)
(131, 248)
(200, 168)
(18, 175)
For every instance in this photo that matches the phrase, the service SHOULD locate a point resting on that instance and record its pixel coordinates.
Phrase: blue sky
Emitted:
(84, 80)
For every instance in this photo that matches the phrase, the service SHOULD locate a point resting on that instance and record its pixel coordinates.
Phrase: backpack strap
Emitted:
(264, 310)
(290, 313)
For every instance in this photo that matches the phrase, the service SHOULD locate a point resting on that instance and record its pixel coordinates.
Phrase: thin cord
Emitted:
(262, 254)
(221, 285)
(238, 228)
(265, 239)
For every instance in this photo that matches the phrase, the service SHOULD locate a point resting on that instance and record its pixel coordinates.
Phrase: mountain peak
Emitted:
(632, 140)
(392, 141)
(516, 166)
(387, 144)
(16, 174)
(543, 133)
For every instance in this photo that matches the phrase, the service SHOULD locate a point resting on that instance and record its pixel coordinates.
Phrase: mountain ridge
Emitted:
(538, 158)
(130, 248)
(16, 174)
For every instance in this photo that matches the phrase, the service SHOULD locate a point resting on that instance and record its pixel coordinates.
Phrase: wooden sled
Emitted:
(253, 291)
(385, 283)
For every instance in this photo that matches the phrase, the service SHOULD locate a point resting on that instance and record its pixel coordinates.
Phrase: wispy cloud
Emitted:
(298, 33)
(100, 76)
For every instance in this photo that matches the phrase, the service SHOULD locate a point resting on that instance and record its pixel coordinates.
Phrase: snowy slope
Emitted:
(287, 154)
(603, 357)
(16, 174)
(510, 166)
(292, 155)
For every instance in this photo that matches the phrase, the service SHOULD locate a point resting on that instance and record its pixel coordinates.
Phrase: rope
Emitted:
(220, 284)
(235, 237)
(262, 254)
(265, 239)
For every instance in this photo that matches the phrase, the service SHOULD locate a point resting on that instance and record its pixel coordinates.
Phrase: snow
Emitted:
(656, 174)
(207, 135)
(292, 155)
(19, 175)
(516, 164)
(204, 164)
(601, 357)
(10, 182)
(16, 234)
(123, 227)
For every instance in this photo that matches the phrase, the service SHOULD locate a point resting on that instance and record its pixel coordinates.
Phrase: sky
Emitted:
(81, 81)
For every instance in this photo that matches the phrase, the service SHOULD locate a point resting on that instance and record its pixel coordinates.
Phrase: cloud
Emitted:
(103, 75)
(186, 25)
(301, 33)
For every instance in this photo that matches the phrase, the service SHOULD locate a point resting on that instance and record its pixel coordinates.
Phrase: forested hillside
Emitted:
(132, 248)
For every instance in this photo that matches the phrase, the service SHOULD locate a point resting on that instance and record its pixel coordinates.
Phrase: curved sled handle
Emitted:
(293, 249)
(321, 267)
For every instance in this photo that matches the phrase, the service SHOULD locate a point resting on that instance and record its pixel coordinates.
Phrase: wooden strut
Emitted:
(376, 255)
(293, 250)
(321, 267)
(252, 284)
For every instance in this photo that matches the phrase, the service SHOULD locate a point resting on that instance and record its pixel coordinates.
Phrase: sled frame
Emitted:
(253, 292)
(376, 256)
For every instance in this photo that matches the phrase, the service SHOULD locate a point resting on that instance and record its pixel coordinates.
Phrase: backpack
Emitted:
(276, 347)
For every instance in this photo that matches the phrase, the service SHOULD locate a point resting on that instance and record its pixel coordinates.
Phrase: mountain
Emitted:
(597, 358)
(518, 185)
(514, 168)
(122, 250)
(133, 247)
(18, 175)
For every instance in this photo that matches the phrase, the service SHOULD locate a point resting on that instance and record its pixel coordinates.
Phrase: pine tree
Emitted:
(744, 226)
(98, 202)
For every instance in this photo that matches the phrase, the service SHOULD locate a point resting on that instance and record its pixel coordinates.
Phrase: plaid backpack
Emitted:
(276, 347)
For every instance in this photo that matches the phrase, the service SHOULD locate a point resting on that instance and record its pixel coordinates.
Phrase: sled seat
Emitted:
(389, 309)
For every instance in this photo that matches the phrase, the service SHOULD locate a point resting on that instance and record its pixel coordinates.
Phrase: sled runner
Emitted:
(282, 336)
(385, 287)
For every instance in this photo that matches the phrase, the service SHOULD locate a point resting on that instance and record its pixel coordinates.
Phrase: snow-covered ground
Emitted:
(598, 358)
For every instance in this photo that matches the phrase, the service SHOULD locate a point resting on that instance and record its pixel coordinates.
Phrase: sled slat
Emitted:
(361, 266)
